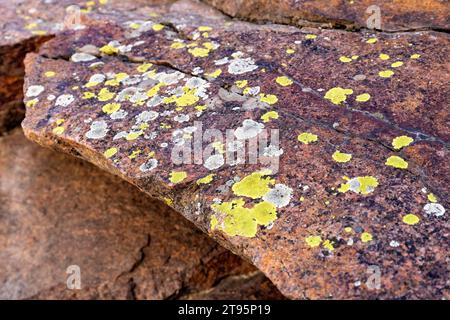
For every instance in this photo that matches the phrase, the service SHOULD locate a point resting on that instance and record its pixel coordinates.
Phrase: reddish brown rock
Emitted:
(57, 211)
(362, 185)
(26, 24)
(395, 15)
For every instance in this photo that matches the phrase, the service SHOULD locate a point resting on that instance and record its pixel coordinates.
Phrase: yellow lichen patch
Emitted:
(133, 135)
(214, 222)
(268, 98)
(364, 97)
(384, 56)
(396, 162)
(111, 107)
(154, 90)
(401, 141)
(338, 95)
(345, 59)
(264, 213)
(58, 130)
(109, 50)
(134, 154)
(204, 28)
(397, 64)
(310, 36)
(135, 25)
(363, 185)
(50, 74)
(177, 45)
(177, 176)
(283, 81)
(269, 115)
(168, 201)
(199, 52)
(341, 157)
(307, 137)
(415, 56)
(432, 198)
(200, 108)
(186, 99)
(241, 221)
(254, 185)
(238, 220)
(157, 27)
(110, 152)
(386, 73)
(348, 229)
(144, 67)
(411, 219)
(327, 244)
(206, 180)
(88, 95)
(30, 26)
(215, 73)
(366, 237)
(105, 95)
(372, 40)
(313, 241)
(39, 32)
(241, 83)
(31, 103)
(290, 51)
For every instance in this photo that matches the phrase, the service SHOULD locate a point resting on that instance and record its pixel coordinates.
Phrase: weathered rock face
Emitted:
(356, 207)
(57, 211)
(26, 24)
(395, 15)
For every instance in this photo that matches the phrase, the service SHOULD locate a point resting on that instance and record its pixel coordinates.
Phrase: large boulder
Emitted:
(349, 204)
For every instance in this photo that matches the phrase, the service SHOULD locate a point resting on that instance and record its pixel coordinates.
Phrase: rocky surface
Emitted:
(57, 211)
(348, 14)
(26, 24)
(362, 184)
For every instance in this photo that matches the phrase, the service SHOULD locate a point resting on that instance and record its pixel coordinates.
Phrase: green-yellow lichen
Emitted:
(397, 64)
(401, 141)
(269, 115)
(366, 237)
(110, 152)
(110, 108)
(313, 241)
(396, 162)
(206, 180)
(338, 95)
(105, 95)
(254, 185)
(241, 221)
(386, 73)
(363, 185)
(284, 81)
(411, 219)
(328, 244)
(177, 176)
(432, 198)
(109, 50)
(268, 98)
(363, 97)
(307, 137)
(341, 157)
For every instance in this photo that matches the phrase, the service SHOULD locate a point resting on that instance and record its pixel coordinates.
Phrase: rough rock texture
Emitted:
(363, 178)
(56, 211)
(395, 15)
(26, 24)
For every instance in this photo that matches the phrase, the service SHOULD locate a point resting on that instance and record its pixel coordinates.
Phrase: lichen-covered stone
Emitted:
(394, 15)
(57, 211)
(333, 216)
(26, 24)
